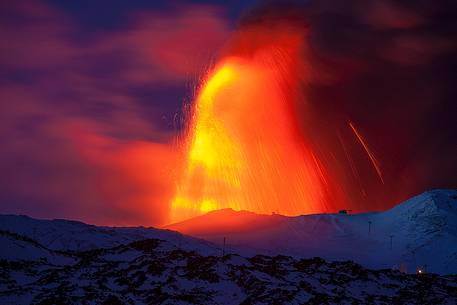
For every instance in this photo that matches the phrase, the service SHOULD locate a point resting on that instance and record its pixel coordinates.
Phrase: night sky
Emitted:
(93, 97)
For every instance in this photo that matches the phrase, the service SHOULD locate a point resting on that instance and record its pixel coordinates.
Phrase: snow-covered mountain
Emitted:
(72, 235)
(421, 231)
(69, 262)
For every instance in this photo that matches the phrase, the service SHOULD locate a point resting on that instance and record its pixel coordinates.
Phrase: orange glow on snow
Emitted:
(245, 150)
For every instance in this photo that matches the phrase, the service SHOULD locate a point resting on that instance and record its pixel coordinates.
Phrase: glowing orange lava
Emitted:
(245, 150)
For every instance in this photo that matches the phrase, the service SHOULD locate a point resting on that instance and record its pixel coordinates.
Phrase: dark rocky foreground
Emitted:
(153, 272)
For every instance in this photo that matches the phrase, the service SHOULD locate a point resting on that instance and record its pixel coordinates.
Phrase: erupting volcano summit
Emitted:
(244, 147)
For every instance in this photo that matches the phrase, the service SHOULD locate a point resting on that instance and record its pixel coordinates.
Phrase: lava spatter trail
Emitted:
(370, 155)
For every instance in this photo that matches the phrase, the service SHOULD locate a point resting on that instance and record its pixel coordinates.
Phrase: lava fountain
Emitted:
(244, 149)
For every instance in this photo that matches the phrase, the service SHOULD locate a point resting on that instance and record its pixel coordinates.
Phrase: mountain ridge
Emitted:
(421, 230)
(69, 262)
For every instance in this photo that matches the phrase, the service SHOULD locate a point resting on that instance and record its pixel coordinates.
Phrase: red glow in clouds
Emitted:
(244, 147)
(311, 107)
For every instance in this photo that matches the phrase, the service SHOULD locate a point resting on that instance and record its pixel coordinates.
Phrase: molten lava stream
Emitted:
(244, 150)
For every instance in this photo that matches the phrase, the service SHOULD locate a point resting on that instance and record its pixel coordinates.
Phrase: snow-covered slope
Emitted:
(152, 272)
(15, 247)
(77, 236)
(423, 231)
